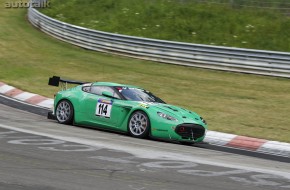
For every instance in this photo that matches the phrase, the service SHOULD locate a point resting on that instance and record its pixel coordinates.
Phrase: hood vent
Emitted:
(171, 108)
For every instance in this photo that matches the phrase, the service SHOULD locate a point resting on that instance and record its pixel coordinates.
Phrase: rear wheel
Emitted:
(64, 112)
(139, 125)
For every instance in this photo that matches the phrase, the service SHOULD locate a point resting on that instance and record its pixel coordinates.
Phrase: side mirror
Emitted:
(107, 94)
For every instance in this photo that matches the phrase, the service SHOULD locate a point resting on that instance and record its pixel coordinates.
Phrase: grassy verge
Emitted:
(187, 21)
(242, 104)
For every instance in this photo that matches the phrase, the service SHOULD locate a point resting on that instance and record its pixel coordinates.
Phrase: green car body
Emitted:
(105, 108)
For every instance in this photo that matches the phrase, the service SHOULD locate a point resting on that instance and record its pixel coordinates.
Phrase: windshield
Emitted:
(137, 94)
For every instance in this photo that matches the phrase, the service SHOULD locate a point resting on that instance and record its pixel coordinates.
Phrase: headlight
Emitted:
(165, 116)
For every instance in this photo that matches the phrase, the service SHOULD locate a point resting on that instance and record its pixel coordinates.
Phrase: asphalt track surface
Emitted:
(40, 154)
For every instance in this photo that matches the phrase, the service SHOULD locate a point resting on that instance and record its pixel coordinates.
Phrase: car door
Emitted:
(101, 110)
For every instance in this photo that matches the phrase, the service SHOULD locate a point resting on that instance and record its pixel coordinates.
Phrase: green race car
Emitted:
(128, 109)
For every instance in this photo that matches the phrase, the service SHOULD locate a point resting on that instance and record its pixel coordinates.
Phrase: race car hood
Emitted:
(179, 113)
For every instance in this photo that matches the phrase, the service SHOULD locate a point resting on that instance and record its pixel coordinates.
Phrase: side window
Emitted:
(99, 89)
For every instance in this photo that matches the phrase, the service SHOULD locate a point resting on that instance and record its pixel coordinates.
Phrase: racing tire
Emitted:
(64, 112)
(186, 143)
(139, 125)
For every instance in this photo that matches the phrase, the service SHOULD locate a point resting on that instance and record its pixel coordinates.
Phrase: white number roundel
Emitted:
(104, 108)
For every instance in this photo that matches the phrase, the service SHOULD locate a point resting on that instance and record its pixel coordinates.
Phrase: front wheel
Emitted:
(186, 143)
(139, 125)
(64, 112)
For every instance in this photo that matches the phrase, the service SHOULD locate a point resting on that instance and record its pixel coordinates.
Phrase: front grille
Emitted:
(189, 130)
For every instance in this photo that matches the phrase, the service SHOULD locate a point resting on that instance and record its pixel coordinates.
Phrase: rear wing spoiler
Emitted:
(57, 81)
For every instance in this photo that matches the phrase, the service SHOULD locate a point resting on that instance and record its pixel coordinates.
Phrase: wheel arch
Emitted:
(65, 98)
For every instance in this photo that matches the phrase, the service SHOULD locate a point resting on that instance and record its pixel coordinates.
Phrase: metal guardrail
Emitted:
(204, 56)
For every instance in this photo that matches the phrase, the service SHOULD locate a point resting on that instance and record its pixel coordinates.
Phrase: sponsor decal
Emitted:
(144, 105)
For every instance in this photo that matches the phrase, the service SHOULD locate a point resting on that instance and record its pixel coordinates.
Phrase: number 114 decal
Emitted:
(104, 108)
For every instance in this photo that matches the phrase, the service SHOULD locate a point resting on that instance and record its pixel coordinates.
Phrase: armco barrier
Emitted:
(204, 56)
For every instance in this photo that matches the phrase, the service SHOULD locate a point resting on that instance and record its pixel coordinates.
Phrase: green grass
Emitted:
(250, 105)
(186, 21)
